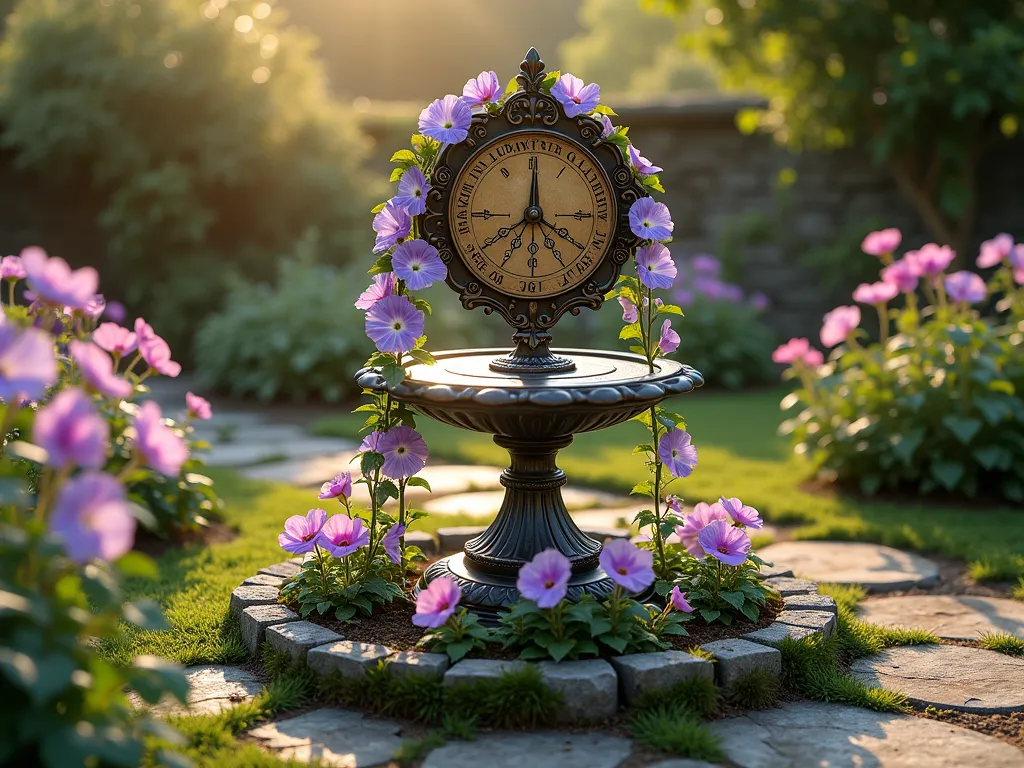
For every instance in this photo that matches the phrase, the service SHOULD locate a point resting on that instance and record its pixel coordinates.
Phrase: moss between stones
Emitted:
(1002, 642)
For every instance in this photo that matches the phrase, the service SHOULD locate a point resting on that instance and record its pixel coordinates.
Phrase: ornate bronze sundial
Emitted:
(531, 215)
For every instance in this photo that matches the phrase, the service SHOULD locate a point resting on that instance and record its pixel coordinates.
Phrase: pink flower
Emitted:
(436, 604)
(28, 364)
(882, 242)
(627, 565)
(725, 542)
(545, 579)
(482, 89)
(791, 351)
(576, 98)
(966, 287)
(643, 166)
(813, 358)
(92, 518)
(72, 431)
(383, 285)
(301, 532)
(95, 308)
(157, 354)
(669, 341)
(875, 293)
(607, 128)
(392, 543)
(995, 250)
(678, 600)
(198, 407)
(339, 487)
(11, 268)
(930, 260)
(143, 330)
(629, 314)
(55, 283)
(1017, 263)
(703, 515)
(342, 535)
(838, 324)
(97, 370)
(741, 513)
(115, 339)
(901, 274)
(158, 445)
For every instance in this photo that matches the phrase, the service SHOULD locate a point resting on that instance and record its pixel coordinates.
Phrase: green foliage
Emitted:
(202, 147)
(518, 699)
(998, 567)
(698, 697)
(414, 751)
(718, 592)
(414, 697)
(758, 690)
(274, 341)
(675, 730)
(1018, 591)
(343, 586)
(1003, 642)
(458, 636)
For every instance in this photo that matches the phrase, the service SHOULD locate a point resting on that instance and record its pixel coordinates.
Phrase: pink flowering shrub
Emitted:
(937, 402)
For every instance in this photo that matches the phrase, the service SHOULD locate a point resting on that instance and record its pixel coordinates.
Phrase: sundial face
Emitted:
(532, 214)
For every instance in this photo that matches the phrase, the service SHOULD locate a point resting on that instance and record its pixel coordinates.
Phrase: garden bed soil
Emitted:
(1008, 727)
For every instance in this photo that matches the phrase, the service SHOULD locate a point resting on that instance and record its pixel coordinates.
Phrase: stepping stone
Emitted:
(800, 734)
(212, 688)
(951, 617)
(875, 567)
(487, 503)
(594, 519)
(336, 737)
(270, 444)
(948, 677)
(544, 749)
(307, 472)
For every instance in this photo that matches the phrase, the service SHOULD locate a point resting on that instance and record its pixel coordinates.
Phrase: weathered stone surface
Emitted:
(601, 534)
(306, 471)
(454, 538)
(469, 671)
(267, 443)
(951, 617)
(264, 580)
(409, 663)
(487, 503)
(822, 621)
(736, 658)
(810, 603)
(589, 688)
(246, 595)
(601, 519)
(286, 570)
(876, 567)
(211, 689)
(773, 571)
(948, 677)
(787, 586)
(682, 763)
(349, 657)
(298, 637)
(775, 633)
(801, 734)
(545, 749)
(336, 737)
(426, 542)
(255, 620)
(642, 672)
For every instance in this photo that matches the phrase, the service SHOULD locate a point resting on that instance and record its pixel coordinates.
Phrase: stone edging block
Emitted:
(787, 586)
(255, 620)
(736, 658)
(410, 663)
(350, 658)
(643, 672)
(469, 671)
(589, 688)
(804, 602)
(775, 633)
(296, 638)
(252, 594)
(820, 621)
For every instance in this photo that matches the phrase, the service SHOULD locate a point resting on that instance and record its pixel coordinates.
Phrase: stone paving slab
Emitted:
(877, 568)
(948, 677)
(212, 688)
(545, 749)
(310, 472)
(270, 444)
(806, 734)
(951, 617)
(487, 503)
(338, 738)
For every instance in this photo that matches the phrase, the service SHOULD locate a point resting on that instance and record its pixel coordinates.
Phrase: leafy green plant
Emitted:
(345, 587)
(1018, 591)
(458, 636)
(674, 730)
(719, 592)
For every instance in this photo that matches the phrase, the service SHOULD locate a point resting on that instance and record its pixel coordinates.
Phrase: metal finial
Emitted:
(532, 72)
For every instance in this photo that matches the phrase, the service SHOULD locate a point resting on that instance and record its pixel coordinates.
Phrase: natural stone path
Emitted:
(877, 568)
(336, 737)
(211, 689)
(951, 617)
(948, 677)
(536, 750)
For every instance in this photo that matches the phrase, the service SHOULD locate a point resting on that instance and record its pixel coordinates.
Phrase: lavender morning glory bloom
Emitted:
(92, 518)
(115, 339)
(703, 264)
(342, 535)
(629, 313)
(436, 604)
(417, 263)
(157, 354)
(627, 565)
(759, 301)
(72, 431)
(993, 251)
(838, 324)
(545, 579)
(703, 514)
(301, 532)
(394, 324)
(608, 128)
(405, 452)
(574, 96)
(725, 542)
(412, 191)
(677, 453)
(1017, 263)
(678, 600)
(28, 364)
(650, 220)
(902, 275)
(875, 293)
(741, 513)
(882, 242)
(370, 442)
(966, 287)
(669, 341)
(53, 282)
(446, 120)
(392, 223)
(95, 308)
(97, 370)
(930, 259)
(158, 444)
(482, 89)
(654, 266)
(383, 285)
(338, 487)
(12, 269)
(643, 166)
(198, 407)
(392, 543)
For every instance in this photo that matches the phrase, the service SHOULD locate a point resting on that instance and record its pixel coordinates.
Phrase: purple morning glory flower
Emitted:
(902, 275)
(339, 487)
(741, 513)
(966, 287)
(482, 89)
(669, 341)
(383, 285)
(72, 431)
(643, 166)
(545, 579)
(342, 535)
(574, 96)
(703, 264)
(677, 453)
(160, 447)
(92, 518)
(650, 219)
(446, 120)
(198, 407)
(875, 293)
(27, 362)
(392, 543)
(394, 324)
(53, 282)
(370, 442)
(1017, 263)
(417, 263)
(629, 313)
(759, 301)
(882, 242)
(654, 266)
(838, 324)
(157, 354)
(412, 191)
(115, 339)
(679, 601)
(405, 452)
(608, 128)
(930, 259)
(95, 308)
(11, 268)
(436, 604)
(703, 515)
(97, 370)
(725, 542)
(993, 251)
(302, 532)
(627, 565)
(392, 223)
